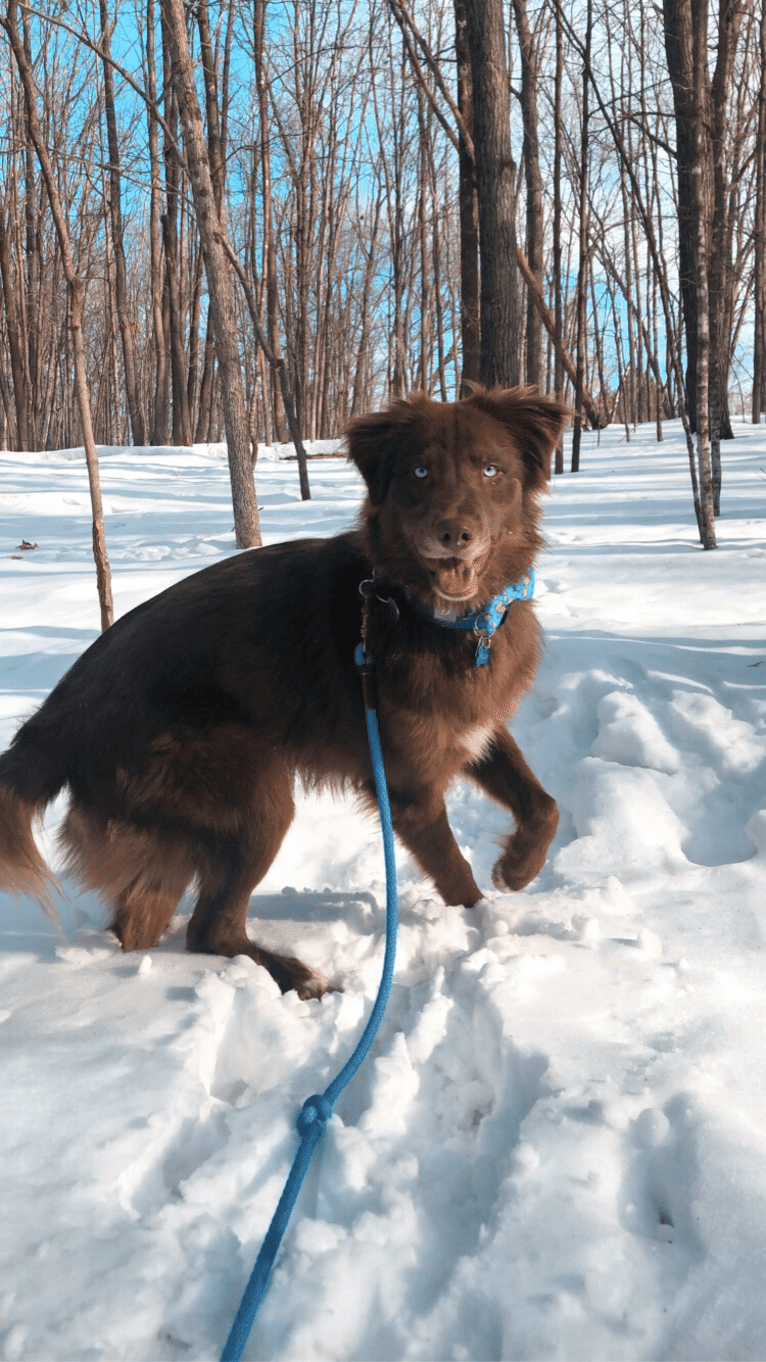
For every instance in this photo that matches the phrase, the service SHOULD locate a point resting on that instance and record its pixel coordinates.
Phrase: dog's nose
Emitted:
(454, 535)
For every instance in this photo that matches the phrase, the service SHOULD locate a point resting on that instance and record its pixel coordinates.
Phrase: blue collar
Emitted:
(485, 621)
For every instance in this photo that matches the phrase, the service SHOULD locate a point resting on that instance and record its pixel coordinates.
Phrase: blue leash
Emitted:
(317, 1110)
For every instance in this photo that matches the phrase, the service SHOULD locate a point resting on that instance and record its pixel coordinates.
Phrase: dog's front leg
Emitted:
(505, 776)
(420, 821)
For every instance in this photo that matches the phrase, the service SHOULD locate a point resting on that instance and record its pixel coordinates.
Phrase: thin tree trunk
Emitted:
(660, 269)
(279, 367)
(182, 428)
(759, 267)
(269, 249)
(158, 433)
(555, 331)
(558, 369)
(468, 203)
(246, 524)
(75, 291)
(495, 171)
(534, 187)
(33, 213)
(582, 271)
(680, 17)
(125, 321)
(701, 207)
(19, 372)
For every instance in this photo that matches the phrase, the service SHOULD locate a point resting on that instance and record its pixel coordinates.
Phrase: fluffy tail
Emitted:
(29, 779)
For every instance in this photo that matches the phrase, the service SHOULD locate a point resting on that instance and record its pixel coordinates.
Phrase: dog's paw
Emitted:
(314, 985)
(511, 873)
(290, 973)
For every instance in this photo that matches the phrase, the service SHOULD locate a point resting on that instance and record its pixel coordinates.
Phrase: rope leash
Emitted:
(317, 1110)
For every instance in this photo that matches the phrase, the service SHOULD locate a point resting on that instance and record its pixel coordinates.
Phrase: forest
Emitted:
(254, 219)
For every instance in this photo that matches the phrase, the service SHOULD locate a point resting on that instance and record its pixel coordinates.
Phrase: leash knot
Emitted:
(316, 1108)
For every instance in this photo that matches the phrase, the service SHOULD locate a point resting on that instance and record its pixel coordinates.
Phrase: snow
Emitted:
(558, 1146)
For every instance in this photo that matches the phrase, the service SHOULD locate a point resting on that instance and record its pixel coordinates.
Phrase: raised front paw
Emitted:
(522, 859)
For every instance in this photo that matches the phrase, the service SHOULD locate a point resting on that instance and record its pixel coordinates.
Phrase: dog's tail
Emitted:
(30, 777)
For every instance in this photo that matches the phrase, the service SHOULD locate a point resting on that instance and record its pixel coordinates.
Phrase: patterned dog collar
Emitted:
(487, 620)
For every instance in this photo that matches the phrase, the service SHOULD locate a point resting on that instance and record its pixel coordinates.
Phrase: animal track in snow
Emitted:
(434, 1103)
(658, 1188)
(619, 749)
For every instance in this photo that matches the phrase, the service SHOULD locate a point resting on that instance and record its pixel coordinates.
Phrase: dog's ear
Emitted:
(535, 423)
(373, 442)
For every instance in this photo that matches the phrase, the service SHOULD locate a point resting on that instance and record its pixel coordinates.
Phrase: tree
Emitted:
(701, 151)
(470, 324)
(75, 288)
(582, 270)
(495, 177)
(759, 234)
(246, 525)
(118, 242)
(534, 206)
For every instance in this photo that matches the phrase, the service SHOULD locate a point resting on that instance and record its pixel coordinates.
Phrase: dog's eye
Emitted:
(491, 470)
(420, 471)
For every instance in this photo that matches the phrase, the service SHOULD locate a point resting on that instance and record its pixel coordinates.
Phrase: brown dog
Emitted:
(180, 731)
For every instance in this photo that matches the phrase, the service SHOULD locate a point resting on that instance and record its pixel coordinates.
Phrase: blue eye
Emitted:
(420, 471)
(491, 470)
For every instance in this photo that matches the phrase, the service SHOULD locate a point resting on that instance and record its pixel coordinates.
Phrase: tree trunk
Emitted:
(269, 249)
(279, 367)
(246, 524)
(681, 17)
(182, 427)
(759, 266)
(34, 209)
(563, 355)
(19, 372)
(704, 526)
(74, 284)
(582, 271)
(125, 321)
(470, 327)
(558, 369)
(534, 186)
(495, 173)
(702, 215)
(158, 431)
(721, 273)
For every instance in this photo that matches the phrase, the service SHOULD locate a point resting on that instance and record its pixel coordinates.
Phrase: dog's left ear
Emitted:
(535, 423)
(373, 442)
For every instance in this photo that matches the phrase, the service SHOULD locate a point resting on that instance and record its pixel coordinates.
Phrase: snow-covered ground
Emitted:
(558, 1148)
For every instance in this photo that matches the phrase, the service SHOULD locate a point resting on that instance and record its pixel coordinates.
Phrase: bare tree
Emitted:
(246, 525)
(9, 22)
(495, 173)
(118, 242)
(470, 324)
(759, 235)
(343, 177)
(534, 186)
(582, 270)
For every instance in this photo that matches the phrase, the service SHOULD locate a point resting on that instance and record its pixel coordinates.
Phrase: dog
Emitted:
(180, 732)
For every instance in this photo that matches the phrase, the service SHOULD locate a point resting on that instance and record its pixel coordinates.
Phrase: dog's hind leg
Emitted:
(143, 911)
(140, 871)
(229, 867)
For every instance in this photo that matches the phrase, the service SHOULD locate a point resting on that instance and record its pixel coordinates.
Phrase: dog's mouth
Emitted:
(454, 579)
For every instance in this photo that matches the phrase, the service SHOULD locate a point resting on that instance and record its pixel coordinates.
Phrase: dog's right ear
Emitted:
(373, 442)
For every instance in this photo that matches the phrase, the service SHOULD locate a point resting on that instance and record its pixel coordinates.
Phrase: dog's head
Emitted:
(452, 489)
